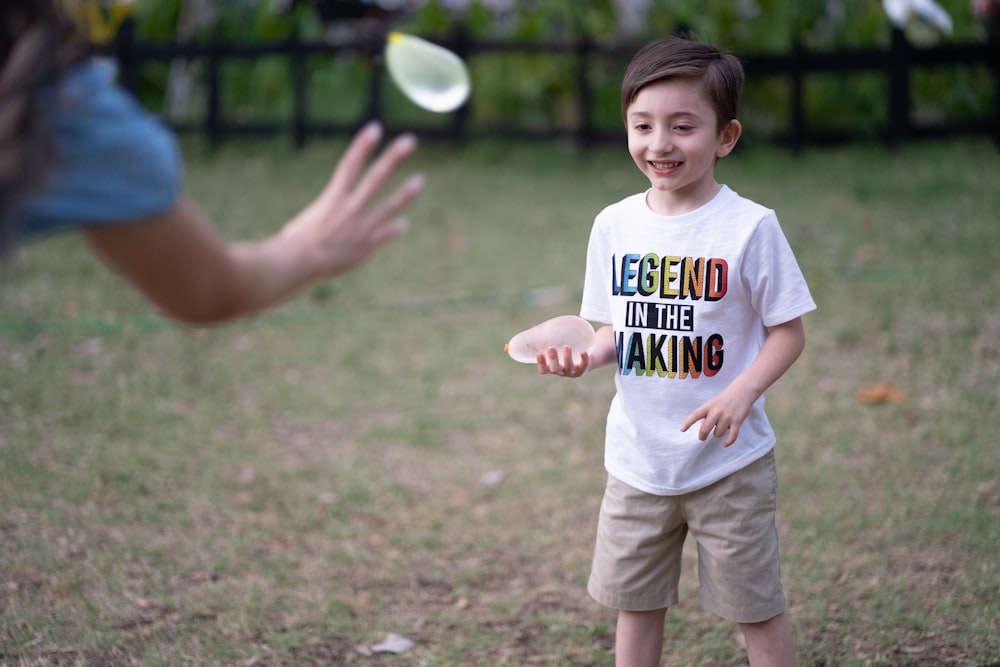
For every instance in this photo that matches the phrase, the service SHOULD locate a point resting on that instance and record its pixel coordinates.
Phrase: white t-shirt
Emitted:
(689, 298)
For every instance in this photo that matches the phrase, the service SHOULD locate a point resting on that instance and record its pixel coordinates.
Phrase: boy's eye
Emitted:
(683, 127)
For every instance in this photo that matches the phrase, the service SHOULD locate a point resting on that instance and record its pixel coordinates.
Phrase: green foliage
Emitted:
(539, 90)
(157, 20)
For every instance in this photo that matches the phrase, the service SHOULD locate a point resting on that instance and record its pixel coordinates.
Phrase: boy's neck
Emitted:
(664, 202)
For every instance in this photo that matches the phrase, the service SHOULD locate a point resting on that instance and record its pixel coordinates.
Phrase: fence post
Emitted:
(125, 53)
(797, 102)
(213, 126)
(460, 45)
(297, 65)
(899, 88)
(993, 64)
(583, 47)
(376, 60)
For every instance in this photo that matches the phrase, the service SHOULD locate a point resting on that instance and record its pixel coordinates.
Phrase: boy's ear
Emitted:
(727, 140)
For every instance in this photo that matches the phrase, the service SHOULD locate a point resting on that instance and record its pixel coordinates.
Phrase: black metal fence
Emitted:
(895, 64)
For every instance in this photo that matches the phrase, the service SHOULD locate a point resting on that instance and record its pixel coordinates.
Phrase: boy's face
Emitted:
(673, 138)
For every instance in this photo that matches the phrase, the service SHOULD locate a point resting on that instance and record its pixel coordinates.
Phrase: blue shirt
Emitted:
(114, 162)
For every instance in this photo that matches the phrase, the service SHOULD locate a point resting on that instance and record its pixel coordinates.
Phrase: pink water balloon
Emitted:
(557, 332)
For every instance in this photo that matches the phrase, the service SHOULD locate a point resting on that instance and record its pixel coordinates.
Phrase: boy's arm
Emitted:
(601, 353)
(727, 410)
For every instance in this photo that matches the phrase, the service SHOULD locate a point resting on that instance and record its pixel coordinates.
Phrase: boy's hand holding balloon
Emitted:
(560, 346)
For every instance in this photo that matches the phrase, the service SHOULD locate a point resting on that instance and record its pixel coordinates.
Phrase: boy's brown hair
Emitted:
(677, 57)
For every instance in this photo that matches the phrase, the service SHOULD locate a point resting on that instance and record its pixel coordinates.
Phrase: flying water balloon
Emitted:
(900, 11)
(557, 332)
(431, 76)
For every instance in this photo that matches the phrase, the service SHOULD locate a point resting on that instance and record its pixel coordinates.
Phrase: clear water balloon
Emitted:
(431, 76)
(557, 332)
(900, 11)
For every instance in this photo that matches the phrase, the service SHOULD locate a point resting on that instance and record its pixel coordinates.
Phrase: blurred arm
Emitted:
(179, 262)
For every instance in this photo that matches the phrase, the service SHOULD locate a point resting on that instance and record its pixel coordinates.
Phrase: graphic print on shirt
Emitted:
(662, 295)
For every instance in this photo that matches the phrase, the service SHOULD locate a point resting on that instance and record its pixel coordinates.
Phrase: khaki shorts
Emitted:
(640, 537)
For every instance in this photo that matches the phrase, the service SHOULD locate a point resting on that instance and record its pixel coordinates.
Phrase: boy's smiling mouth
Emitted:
(664, 166)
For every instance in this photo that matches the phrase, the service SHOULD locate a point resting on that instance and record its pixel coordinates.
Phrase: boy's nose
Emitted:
(662, 141)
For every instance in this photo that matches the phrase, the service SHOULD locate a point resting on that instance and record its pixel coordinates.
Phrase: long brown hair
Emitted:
(38, 42)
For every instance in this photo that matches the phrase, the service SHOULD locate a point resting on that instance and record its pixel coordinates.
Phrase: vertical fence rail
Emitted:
(583, 47)
(898, 74)
(797, 110)
(460, 45)
(213, 121)
(994, 65)
(300, 90)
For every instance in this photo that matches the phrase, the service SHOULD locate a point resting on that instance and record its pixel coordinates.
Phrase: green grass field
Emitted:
(366, 460)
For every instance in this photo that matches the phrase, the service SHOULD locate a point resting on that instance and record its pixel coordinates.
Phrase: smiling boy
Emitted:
(700, 301)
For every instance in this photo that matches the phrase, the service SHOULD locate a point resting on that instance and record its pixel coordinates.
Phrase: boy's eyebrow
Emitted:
(676, 114)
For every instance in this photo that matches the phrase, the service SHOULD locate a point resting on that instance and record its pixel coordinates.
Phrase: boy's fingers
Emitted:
(690, 421)
(734, 432)
(543, 363)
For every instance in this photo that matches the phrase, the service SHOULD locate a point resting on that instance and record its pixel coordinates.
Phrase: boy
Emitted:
(701, 301)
